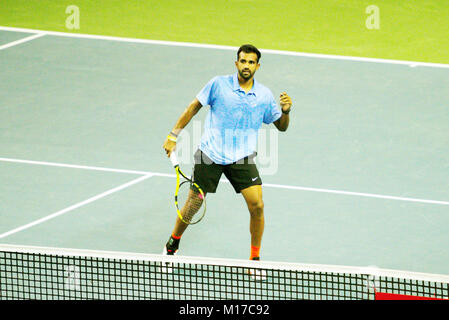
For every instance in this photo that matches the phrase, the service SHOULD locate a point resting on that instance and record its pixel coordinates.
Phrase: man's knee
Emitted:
(256, 207)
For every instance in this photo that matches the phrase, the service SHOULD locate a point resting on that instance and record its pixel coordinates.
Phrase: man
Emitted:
(238, 106)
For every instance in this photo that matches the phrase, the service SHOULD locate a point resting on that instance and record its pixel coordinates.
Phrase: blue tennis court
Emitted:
(361, 177)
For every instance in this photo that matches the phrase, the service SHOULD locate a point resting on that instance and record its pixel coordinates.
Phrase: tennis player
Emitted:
(238, 106)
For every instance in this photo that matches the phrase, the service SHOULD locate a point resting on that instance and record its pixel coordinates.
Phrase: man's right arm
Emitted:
(183, 120)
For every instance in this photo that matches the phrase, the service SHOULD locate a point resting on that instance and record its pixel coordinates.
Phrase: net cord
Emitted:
(372, 271)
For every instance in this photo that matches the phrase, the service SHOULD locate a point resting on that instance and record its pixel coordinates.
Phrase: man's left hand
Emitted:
(285, 101)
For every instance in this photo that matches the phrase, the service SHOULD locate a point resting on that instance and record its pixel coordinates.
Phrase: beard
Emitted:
(246, 75)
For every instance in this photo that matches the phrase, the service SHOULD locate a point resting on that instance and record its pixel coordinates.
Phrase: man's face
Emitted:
(247, 65)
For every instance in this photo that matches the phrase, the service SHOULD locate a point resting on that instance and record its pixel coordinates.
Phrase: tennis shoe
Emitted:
(167, 267)
(257, 274)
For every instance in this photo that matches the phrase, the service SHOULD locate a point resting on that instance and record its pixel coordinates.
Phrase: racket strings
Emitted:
(192, 205)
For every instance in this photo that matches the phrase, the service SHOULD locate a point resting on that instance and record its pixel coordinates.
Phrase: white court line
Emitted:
(64, 165)
(75, 206)
(359, 194)
(14, 43)
(223, 47)
(270, 185)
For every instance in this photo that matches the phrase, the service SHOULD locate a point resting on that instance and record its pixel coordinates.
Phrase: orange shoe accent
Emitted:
(255, 252)
(176, 237)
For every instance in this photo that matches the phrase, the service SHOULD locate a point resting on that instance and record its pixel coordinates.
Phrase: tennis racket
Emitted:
(190, 200)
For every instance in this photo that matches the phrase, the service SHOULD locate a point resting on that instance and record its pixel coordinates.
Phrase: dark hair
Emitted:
(249, 48)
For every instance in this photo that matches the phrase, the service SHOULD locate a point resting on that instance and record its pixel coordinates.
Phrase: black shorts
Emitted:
(241, 174)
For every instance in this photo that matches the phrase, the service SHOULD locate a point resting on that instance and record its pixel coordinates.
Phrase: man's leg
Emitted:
(207, 175)
(253, 198)
(186, 210)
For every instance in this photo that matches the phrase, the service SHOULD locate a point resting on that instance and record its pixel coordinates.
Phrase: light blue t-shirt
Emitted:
(232, 123)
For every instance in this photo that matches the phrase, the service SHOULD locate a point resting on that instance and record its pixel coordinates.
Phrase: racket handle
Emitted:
(174, 159)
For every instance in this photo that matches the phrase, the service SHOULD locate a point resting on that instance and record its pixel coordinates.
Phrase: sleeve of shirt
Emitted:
(272, 111)
(205, 96)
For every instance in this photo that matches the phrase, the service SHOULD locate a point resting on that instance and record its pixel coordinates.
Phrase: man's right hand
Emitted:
(169, 146)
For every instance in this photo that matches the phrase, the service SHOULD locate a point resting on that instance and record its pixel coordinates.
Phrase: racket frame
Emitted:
(179, 173)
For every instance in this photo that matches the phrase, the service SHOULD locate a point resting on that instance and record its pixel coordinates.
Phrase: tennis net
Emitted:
(50, 273)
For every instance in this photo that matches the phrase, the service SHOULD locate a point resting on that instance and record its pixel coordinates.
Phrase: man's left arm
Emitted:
(286, 105)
